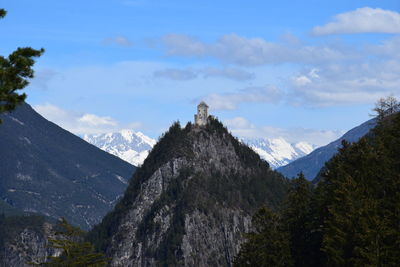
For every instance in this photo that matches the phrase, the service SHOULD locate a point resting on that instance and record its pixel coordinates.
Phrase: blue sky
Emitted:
(302, 70)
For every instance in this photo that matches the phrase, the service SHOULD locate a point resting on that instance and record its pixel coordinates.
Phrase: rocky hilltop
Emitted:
(190, 202)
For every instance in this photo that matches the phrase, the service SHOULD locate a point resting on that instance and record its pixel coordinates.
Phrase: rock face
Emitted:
(190, 202)
(28, 243)
(48, 170)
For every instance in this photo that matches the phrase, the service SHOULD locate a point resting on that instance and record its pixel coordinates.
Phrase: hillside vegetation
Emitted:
(350, 219)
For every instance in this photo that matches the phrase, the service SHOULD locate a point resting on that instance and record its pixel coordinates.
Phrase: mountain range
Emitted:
(134, 147)
(277, 151)
(48, 170)
(312, 163)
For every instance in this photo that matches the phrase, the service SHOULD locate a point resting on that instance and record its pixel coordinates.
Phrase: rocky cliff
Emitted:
(190, 202)
(24, 240)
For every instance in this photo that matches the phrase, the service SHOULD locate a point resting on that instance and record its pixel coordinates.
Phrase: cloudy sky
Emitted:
(302, 70)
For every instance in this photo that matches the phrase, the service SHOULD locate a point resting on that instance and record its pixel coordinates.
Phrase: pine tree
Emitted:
(360, 189)
(15, 71)
(267, 244)
(74, 251)
(296, 219)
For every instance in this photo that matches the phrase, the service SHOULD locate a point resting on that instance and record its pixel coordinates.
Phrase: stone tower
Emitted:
(202, 114)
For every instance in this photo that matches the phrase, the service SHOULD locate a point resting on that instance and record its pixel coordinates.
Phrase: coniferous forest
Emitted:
(349, 218)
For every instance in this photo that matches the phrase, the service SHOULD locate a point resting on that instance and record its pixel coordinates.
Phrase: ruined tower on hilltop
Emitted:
(200, 118)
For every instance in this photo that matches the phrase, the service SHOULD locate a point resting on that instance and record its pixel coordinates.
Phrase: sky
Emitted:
(301, 70)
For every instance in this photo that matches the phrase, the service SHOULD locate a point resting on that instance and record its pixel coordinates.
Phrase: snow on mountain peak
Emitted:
(127, 135)
(147, 139)
(134, 147)
(277, 151)
(281, 149)
(304, 147)
(128, 145)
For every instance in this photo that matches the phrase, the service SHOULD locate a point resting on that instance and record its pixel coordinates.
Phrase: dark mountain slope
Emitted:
(311, 164)
(8, 210)
(48, 170)
(190, 202)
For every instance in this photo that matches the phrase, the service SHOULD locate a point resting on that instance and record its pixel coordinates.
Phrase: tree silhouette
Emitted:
(15, 72)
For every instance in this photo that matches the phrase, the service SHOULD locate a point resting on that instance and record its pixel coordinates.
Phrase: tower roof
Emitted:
(202, 103)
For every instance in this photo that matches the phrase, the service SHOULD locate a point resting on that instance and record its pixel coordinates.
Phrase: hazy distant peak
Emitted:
(304, 147)
(277, 151)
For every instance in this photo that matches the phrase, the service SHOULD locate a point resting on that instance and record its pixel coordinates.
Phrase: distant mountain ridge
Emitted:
(312, 163)
(278, 152)
(128, 145)
(48, 170)
(134, 147)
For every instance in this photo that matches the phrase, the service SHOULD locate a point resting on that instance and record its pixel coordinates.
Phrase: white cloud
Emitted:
(235, 49)
(243, 128)
(238, 123)
(230, 101)
(183, 45)
(229, 73)
(301, 80)
(94, 120)
(345, 84)
(330, 74)
(209, 72)
(362, 20)
(388, 48)
(81, 123)
(176, 74)
(118, 40)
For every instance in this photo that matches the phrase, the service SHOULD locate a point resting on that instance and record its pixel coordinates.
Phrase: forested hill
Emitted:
(350, 219)
(190, 202)
(48, 170)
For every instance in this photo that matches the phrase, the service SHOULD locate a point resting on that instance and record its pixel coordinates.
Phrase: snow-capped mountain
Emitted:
(128, 145)
(134, 147)
(278, 152)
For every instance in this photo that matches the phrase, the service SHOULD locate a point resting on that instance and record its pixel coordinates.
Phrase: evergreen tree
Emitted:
(296, 219)
(267, 244)
(361, 190)
(350, 219)
(74, 251)
(15, 71)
